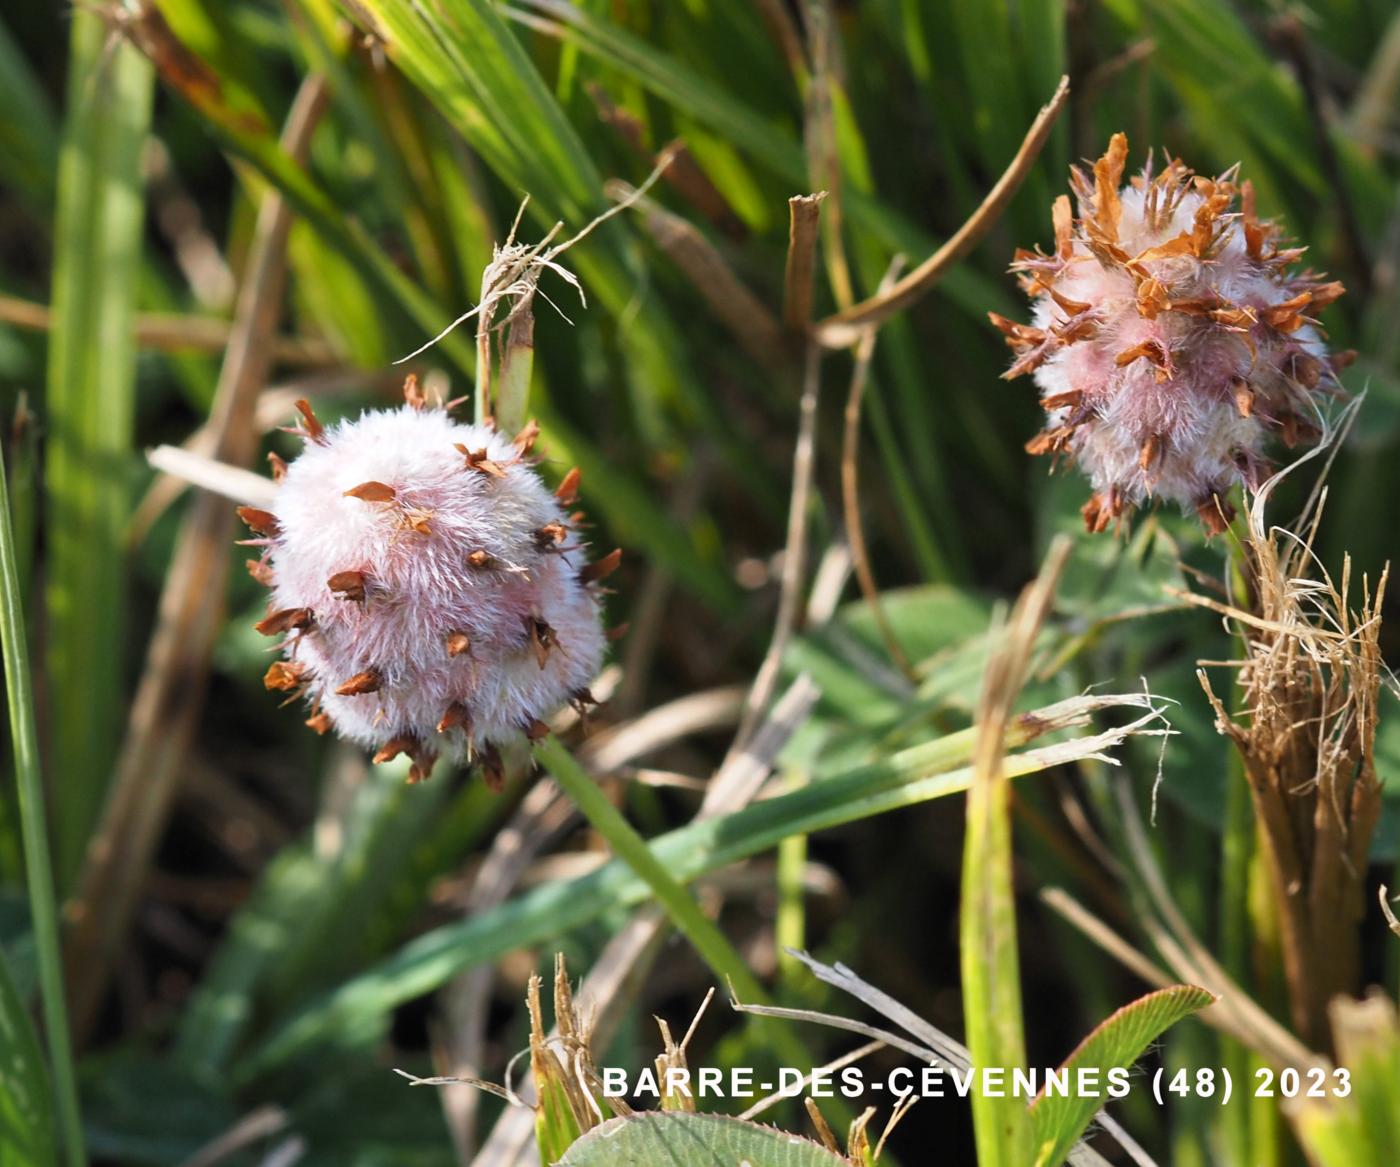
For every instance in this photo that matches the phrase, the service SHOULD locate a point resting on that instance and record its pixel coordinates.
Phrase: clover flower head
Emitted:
(431, 592)
(1172, 336)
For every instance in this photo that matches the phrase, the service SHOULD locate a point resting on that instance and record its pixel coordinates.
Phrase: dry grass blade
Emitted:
(167, 700)
(169, 332)
(219, 478)
(253, 1128)
(1191, 961)
(846, 328)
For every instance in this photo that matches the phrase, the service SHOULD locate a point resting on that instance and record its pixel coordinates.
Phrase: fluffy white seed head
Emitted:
(433, 594)
(1171, 337)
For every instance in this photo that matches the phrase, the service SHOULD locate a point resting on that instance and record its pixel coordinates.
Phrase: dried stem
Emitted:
(795, 553)
(846, 328)
(804, 225)
(850, 488)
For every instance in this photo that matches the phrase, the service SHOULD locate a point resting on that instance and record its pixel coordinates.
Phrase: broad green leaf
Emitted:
(26, 1115)
(678, 1139)
(1060, 1119)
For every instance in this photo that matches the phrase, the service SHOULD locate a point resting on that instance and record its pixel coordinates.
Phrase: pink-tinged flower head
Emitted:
(431, 591)
(1171, 334)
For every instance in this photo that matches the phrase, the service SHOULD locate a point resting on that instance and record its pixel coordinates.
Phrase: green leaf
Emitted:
(26, 1116)
(678, 1139)
(91, 380)
(1060, 1119)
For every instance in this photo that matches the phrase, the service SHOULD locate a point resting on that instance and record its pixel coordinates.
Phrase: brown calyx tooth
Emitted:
(600, 569)
(457, 716)
(260, 522)
(283, 676)
(372, 492)
(567, 490)
(286, 620)
(478, 461)
(315, 431)
(542, 639)
(401, 743)
(525, 440)
(368, 681)
(261, 571)
(349, 585)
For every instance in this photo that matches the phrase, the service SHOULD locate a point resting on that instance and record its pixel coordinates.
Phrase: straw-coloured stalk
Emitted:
(1310, 677)
(1172, 336)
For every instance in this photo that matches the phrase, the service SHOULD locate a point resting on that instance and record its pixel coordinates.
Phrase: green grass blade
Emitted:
(908, 778)
(702, 932)
(26, 1114)
(679, 86)
(1118, 1042)
(987, 946)
(38, 866)
(91, 379)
